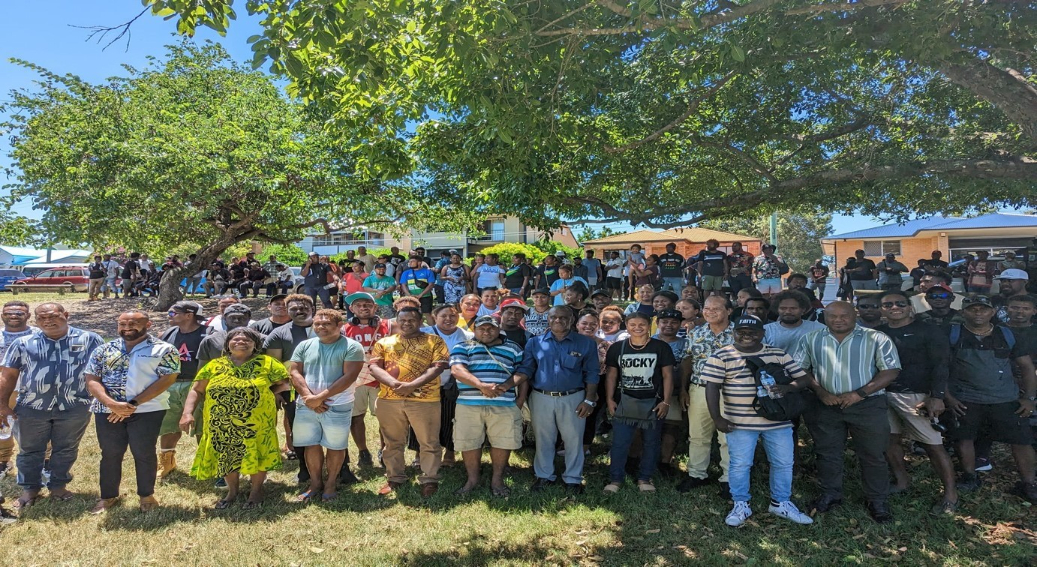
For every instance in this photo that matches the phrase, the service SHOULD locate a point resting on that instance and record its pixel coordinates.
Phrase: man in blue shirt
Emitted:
(419, 281)
(52, 402)
(562, 367)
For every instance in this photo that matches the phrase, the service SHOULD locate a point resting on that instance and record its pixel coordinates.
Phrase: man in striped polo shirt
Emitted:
(727, 370)
(851, 367)
(484, 408)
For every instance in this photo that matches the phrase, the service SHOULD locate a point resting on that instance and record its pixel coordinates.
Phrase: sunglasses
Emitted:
(891, 304)
(941, 295)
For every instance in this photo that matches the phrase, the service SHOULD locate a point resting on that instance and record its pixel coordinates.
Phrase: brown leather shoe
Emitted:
(103, 505)
(427, 490)
(148, 503)
(166, 463)
(388, 488)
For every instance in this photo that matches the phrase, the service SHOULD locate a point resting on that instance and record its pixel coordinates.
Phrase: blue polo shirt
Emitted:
(560, 365)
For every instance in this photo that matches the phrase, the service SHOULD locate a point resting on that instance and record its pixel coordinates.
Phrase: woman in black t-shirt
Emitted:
(639, 381)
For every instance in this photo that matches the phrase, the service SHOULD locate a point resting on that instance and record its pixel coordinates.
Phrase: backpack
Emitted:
(785, 408)
(1005, 332)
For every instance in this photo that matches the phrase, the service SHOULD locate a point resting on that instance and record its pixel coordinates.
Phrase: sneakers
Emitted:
(739, 514)
(166, 463)
(983, 464)
(969, 483)
(789, 511)
(4, 468)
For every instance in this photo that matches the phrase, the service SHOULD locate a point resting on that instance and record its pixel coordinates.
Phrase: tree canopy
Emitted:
(194, 150)
(799, 233)
(665, 112)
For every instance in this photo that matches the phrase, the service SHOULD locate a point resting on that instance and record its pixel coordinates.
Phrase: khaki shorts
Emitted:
(177, 397)
(712, 283)
(904, 418)
(365, 400)
(473, 425)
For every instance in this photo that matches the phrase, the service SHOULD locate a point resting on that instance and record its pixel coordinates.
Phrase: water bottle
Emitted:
(767, 384)
(6, 429)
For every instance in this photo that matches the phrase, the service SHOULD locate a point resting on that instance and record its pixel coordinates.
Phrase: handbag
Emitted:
(785, 408)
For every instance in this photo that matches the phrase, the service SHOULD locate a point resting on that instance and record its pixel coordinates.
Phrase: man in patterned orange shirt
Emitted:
(407, 366)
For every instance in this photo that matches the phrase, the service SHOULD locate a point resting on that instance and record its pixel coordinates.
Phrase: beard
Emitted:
(132, 334)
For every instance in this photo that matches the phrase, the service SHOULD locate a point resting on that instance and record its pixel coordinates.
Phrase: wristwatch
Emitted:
(860, 392)
(133, 403)
(590, 403)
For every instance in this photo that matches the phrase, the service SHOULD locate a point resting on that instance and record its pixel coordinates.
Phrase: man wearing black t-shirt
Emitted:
(671, 269)
(517, 275)
(186, 334)
(865, 274)
(278, 316)
(547, 273)
(712, 267)
(916, 395)
(97, 273)
(130, 275)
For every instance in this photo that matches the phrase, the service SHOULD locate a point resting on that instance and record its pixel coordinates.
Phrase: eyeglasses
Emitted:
(891, 304)
(940, 295)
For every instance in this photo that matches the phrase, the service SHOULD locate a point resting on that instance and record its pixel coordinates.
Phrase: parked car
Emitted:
(69, 278)
(9, 276)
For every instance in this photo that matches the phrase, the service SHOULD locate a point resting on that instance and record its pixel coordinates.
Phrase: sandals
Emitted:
(502, 492)
(63, 497)
(290, 455)
(328, 497)
(307, 496)
(223, 504)
(252, 504)
(944, 507)
(23, 502)
(611, 488)
(645, 486)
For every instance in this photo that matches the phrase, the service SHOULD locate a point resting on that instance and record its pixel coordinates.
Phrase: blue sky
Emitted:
(41, 32)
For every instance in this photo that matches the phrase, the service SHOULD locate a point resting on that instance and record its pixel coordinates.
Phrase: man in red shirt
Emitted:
(365, 328)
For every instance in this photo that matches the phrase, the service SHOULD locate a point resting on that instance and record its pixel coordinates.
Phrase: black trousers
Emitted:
(139, 432)
(867, 423)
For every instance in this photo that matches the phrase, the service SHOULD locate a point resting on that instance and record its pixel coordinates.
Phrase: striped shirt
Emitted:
(842, 367)
(491, 365)
(727, 367)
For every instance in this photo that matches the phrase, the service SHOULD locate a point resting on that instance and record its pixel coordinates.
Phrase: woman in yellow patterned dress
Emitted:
(239, 419)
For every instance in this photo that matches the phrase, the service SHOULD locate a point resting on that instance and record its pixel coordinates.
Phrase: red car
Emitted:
(71, 278)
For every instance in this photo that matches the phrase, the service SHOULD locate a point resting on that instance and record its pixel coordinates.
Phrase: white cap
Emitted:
(1014, 274)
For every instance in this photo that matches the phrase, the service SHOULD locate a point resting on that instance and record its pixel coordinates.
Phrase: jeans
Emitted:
(553, 417)
(738, 283)
(819, 287)
(63, 430)
(139, 432)
(674, 284)
(622, 436)
(109, 284)
(867, 422)
(779, 443)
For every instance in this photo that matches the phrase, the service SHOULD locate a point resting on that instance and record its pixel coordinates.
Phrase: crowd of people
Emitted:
(722, 349)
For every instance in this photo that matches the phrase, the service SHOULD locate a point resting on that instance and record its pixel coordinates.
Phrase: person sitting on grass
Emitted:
(239, 416)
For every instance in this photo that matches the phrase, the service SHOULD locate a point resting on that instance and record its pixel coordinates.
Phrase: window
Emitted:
(496, 230)
(882, 247)
(49, 274)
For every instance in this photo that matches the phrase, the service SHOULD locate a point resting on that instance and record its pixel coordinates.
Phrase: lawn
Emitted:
(362, 528)
(629, 528)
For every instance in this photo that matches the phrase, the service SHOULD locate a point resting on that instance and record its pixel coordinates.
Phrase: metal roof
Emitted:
(913, 227)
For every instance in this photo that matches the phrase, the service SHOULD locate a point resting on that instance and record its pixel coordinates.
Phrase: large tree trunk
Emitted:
(1006, 89)
(169, 289)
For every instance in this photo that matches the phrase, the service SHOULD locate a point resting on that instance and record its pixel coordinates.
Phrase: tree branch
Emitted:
(123, 30)
(677, 121)
(1007, 90)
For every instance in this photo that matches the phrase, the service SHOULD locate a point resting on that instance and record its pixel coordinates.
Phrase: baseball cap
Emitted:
(513, 302)
(671, 314)
(976, 300)
(276, 297)
(486, 320)
(452, 252)
(560, 254)
(940, 287)
(376, 266)
(749, 322)
(1014, 274)
(601, 292)
(191, 307)
(237, 308)
(358, 296)
(540, 291)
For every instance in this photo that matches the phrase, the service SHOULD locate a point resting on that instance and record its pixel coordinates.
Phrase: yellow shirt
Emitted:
(407, 359)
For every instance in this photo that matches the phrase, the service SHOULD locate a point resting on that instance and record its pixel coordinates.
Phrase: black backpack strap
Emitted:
(755, 364)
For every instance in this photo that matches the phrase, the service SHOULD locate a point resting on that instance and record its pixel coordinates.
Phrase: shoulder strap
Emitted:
(1009, 337)
(755, 363)
(955, 334)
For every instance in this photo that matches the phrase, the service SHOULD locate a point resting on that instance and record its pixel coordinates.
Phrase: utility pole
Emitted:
(774, 228)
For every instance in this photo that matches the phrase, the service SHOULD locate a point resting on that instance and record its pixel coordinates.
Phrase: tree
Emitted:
(589, 233)
(662, 112)
(288, 254)
(193, 149)
(799, 234)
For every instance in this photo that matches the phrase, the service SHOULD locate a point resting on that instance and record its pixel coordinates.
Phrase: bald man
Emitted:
(128, 378)
(850, 367)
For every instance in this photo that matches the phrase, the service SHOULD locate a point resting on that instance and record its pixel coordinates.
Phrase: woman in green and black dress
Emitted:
(239, 419)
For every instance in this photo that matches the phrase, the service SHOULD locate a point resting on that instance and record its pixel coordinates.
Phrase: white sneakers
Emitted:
(741, 512)
(789, 511)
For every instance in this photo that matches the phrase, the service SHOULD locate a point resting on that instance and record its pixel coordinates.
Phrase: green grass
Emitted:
(629, 528)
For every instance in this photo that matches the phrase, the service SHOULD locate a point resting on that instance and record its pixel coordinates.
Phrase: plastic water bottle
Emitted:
(6, 429)
(767, 386)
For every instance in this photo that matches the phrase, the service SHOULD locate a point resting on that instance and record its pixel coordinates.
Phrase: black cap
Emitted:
(276, 297)
(749, 322)
(976, 300)
(669, 314)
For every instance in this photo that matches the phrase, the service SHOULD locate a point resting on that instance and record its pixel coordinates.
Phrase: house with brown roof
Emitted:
(689, 241)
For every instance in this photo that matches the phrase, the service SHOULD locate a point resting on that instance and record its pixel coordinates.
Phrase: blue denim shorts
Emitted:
(329, 429)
